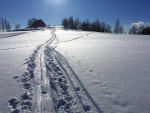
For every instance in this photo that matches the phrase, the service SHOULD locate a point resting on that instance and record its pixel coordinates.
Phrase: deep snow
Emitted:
(113, 69)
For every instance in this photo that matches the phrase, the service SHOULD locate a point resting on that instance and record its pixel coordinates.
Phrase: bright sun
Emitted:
(57, 1)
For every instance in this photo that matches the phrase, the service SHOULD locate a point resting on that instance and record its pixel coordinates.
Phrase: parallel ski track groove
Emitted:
(68, 77)
(88, 95)
(58, 57)
(41, 55)
(65, 72)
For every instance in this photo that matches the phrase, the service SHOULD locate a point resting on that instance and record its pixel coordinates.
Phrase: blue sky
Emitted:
(53, 11)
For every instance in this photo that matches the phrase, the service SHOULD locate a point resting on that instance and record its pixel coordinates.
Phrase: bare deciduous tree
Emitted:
(2, 24)
(5, 25)
(31, 21)
(17, 27)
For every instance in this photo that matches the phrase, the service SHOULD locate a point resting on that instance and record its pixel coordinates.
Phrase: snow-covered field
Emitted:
(74, 71)
(13, 54)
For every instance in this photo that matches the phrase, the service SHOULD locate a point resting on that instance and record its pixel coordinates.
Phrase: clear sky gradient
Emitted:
(53, 11)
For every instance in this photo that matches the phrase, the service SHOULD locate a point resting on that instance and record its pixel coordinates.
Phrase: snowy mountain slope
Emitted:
(113, 68)
(75, 71)
(50, 84)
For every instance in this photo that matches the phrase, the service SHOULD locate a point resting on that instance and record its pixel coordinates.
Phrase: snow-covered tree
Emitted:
(136, 28)
(133, 29)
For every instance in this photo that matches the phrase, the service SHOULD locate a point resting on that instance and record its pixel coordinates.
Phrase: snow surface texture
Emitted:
(14, 52)
(74, 72)
(51, 85)
(113, 68)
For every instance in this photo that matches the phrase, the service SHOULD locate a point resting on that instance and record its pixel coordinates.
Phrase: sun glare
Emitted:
(57, 1)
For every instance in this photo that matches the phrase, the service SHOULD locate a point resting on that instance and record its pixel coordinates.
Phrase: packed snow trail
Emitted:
(51, 85)
(43, 98)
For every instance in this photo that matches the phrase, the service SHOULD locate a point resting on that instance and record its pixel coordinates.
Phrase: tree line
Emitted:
(4, 25)
(30, 21)
(71, 23)
(145, 31)
(86, 25)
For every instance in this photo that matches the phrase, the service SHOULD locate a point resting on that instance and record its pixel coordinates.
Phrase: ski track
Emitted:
(75, 38)
(17, 47)
(11, 35)
(50, 85)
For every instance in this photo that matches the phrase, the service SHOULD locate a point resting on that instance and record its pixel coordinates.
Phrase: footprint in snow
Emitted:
(15, 77)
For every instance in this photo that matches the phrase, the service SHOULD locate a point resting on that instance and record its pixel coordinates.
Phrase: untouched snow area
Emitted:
(74, 72)
(113, 68)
